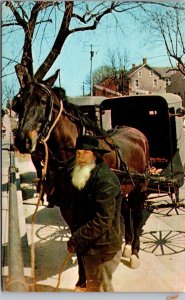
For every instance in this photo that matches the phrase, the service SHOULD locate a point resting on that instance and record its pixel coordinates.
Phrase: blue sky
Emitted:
(74, 60)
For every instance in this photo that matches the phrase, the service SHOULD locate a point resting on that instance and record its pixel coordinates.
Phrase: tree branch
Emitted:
(18, 18)
(97, 17)
(37, 23)
(59, 41)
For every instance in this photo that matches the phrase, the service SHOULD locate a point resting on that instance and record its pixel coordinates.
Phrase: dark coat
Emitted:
(96, 213)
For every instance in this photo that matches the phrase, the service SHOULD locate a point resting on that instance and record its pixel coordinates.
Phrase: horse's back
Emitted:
(133, 147)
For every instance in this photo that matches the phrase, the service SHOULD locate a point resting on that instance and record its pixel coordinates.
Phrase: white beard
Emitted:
(81, 175)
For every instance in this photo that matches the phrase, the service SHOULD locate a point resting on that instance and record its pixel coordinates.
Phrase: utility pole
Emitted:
(91, 77)
(83, 88)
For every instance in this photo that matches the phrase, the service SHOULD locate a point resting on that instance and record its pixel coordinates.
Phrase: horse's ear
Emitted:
(51, 80)
(23, 75)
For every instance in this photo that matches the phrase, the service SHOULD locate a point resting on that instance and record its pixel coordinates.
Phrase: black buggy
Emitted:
(159, 117)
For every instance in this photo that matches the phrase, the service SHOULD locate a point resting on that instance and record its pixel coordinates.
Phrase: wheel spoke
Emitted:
(163, 242)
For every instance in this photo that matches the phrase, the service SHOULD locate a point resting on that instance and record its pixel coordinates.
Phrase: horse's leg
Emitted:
(136, 201)
(128, 234)
(81, 283)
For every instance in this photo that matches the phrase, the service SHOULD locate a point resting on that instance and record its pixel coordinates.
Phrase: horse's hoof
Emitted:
(134, 261)
(79, 289)
(127, 251)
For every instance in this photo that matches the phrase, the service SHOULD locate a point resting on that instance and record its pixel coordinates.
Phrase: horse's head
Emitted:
(35, 113)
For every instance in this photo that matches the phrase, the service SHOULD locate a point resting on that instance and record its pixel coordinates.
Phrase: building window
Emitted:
(155, 83)
(136, 83)
(168, 81)
(140, 73)
(151, 73)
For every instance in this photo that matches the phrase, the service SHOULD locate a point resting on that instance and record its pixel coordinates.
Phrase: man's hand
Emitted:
(71, 245)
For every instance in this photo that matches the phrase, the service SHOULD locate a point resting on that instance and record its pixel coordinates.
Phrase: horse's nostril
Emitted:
(27, 143)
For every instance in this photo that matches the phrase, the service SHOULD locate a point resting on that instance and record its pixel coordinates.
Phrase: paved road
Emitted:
(162, 253)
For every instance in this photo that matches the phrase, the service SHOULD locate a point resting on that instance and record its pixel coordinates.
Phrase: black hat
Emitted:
(88, 142)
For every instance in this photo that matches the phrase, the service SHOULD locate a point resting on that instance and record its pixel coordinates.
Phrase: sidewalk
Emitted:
(162, 261)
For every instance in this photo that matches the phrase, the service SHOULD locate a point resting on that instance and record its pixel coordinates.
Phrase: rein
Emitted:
(44, 171)
(55, 122)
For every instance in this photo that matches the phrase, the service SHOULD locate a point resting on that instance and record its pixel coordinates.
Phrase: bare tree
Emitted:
(115, 72)
(73, 17)
(168, 27)
(119, 63)
(8, 89)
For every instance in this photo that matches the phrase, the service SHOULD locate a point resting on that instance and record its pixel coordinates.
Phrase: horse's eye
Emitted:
(43, 101)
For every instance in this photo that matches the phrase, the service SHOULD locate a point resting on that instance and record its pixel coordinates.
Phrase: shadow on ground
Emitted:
(27, 186)
(47, 216)
(50, 256)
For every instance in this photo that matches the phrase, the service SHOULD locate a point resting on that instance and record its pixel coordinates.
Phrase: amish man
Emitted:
(96, 211)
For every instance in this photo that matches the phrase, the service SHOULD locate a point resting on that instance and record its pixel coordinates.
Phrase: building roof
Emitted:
(135, 69)
(163, 71)
(102, 88)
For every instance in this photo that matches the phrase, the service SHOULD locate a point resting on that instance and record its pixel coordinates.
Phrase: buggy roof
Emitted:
(170, 98)
(87, 100)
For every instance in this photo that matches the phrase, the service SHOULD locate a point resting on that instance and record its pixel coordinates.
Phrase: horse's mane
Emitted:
(76, 111)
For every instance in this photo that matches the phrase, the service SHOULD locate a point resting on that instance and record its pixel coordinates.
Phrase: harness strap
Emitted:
(55, 122)
(47, 125)
(120, 163)
(123, 165)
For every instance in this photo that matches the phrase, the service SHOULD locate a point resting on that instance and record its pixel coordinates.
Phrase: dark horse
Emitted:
(39, 107)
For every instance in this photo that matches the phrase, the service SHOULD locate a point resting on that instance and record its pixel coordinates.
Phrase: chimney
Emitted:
(133, 65)
(144, 60)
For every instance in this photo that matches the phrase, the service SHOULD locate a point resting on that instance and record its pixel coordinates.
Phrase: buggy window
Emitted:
(151, 116)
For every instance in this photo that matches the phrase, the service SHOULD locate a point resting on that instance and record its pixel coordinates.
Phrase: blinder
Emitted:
(48, 118)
